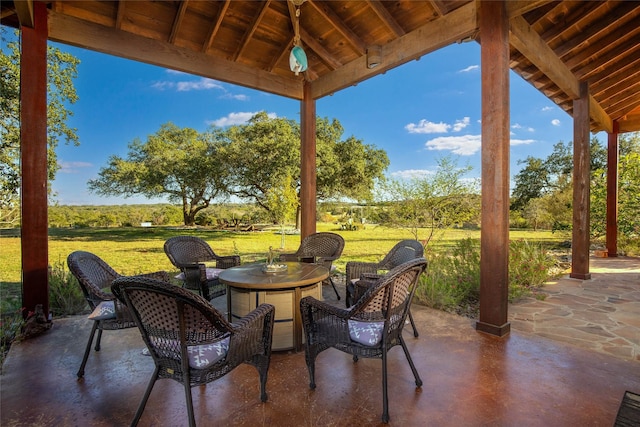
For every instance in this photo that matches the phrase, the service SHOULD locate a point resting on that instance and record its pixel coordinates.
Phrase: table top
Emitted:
(251, 276)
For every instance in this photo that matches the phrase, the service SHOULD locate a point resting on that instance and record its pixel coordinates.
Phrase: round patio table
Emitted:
(249, 286)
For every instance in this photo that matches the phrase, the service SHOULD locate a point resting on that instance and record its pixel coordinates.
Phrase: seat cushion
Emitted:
(212, 273)
(204, 355)
(104, 311)
(366, 333)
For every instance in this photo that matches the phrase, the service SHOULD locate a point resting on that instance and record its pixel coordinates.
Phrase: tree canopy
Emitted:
(178, 163)
(61, 70)
(252, 161)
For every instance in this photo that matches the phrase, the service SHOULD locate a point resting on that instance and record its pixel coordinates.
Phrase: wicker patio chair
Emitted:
(95, 277)
(190, 341)
(189, 253)
(369, 328)
(321, 248)
(403, 251)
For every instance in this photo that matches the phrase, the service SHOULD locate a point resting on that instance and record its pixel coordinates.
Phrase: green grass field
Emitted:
(138, 250)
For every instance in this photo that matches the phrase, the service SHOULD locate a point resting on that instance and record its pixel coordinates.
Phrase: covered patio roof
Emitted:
(554, 45)
(583, 55)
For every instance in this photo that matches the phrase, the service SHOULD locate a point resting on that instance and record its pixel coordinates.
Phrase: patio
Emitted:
(567, 361)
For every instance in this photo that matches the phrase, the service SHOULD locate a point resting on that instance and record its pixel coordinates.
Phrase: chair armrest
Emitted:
(227, 261)
(252, 334)
(158, 275)
(355, 269)
(312, 305)
(288, 257)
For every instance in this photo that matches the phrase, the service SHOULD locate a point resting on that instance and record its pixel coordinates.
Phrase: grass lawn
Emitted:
(137, 250)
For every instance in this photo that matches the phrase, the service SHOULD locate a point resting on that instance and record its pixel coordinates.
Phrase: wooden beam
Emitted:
(629, 123)
(612, 192)
(520, 7)
(69, 30)
(24, 10)
(529, 44)
(581, 182)
(494, 230)
(307, 164)
(428, 38)
(33, 162)
(120, 14)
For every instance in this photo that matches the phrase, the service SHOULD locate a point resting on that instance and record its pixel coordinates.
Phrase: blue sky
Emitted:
(417, 113)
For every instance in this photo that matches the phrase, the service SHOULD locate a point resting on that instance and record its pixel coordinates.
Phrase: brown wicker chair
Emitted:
(190, 341)
(189, 253)
(321, 248)
(403, 251)
(367, 329)
(95, 277)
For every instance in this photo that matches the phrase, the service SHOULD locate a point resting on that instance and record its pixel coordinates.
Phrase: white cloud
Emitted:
(519, 126)
(237, 119)
(202, 84)
(412, 173)
(522, 141)
(425, 126)
(555, 122)
(461, 124)
(73, 167)
(547, 108)
(464, 145)
(469, 68)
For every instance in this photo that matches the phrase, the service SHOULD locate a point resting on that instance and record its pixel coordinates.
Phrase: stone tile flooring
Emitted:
(601, 314)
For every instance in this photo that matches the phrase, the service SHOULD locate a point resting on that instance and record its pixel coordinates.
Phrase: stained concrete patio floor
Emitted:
(567, 362)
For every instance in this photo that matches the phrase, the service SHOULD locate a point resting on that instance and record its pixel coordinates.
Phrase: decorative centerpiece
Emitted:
(270, 266)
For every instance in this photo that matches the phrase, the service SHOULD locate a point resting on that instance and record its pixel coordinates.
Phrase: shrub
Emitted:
(65, 295)
(10, 326)
(452, 280)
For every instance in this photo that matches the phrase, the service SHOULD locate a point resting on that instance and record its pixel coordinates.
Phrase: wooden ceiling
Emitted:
(555, 45)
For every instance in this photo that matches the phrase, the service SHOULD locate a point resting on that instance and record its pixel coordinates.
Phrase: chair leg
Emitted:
(385, 397)
(334, 288)
(187, 392)
(263, 385)
(413, 325)
(87, 350)
(99, 339)
(143, 403)
(413, 367)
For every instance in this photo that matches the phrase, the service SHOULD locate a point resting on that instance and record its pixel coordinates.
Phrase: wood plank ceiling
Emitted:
(555, 45)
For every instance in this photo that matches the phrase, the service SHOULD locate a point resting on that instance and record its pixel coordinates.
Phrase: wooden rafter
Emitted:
(352, 38)
(24, 10)
(386, 18)
(120, 8)
(251, 29)
(215, 26)
(177, 22)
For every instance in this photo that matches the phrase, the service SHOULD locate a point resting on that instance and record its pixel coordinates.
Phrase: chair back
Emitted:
(402, 252)
(324, 245)
(93, 274)
(182, 250)
(170, 319)
(389, 297)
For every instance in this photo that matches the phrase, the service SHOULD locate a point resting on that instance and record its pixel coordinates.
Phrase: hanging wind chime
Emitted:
(297, 57)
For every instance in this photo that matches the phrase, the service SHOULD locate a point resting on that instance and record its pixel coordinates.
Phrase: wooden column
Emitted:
(581, 182)
(307, 163)
(33, 157)
(494, 235)
(612, 192)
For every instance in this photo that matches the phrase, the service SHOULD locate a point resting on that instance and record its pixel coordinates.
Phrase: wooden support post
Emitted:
(307, 163)
(612, 192)
(33, 158)
(581, 182)
(494, 235)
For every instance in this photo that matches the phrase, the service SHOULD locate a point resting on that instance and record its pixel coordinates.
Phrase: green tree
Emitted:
(435, 202)
(265, 151)
(177, 163)
(282, 201)
(628, 192)
(61, 70)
